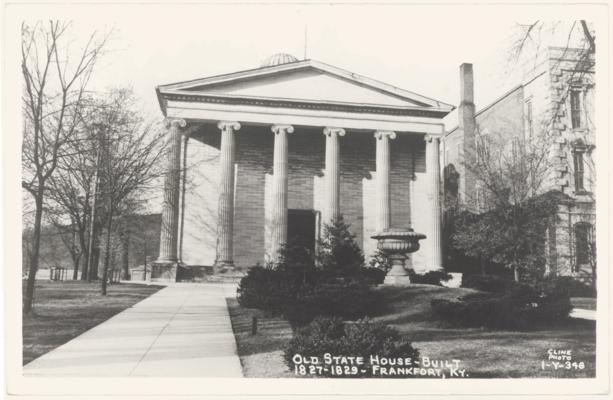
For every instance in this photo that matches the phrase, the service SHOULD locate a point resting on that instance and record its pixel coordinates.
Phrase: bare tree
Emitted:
(129, 161)
(68, 235)
(510, 173)
(54, 88)
(577, 41)
(69, 191)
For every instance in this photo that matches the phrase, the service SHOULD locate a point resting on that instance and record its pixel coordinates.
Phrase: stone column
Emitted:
(225, 206)
(433, 173)
(165, 265)
(279, 190)
(383, 179)
(332, 209)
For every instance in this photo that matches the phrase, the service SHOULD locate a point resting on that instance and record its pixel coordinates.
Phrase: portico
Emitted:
(293, 100)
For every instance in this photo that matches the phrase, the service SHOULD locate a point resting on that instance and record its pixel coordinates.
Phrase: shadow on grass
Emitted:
(485, 353)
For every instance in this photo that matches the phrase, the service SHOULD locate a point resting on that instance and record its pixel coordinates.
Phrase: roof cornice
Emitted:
(424, 102)
(183, 96)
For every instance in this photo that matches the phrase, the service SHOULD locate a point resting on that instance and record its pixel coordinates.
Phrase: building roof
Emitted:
(284, 81)
(499, 99)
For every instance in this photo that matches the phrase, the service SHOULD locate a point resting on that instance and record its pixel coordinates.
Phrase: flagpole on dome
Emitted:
(306, 35)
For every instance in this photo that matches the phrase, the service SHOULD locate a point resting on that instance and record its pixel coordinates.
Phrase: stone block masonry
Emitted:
(253, 202)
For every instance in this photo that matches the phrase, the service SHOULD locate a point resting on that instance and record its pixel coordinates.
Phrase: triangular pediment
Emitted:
(307, 81)
(306, 84)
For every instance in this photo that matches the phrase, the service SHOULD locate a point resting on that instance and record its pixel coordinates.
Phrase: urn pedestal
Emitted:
(396, 244)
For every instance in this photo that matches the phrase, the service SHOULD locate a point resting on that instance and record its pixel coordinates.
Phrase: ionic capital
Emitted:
(171, 122)
(228, 126)
(381, 134)
(329, 131)
(276, 129)
(432, 138)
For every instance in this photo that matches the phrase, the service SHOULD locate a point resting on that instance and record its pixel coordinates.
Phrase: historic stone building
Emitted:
(555, 101)
(261, 156)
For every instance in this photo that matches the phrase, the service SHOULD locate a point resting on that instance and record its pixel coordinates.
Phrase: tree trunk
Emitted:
(75, 259)
(75, 262)
(93, 268)
(515, 273)
(105, 269)
(85, 255)
(125, 253)
(92, 243)
(29, 295)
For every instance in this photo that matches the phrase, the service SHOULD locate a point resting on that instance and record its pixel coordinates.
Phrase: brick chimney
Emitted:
(467, 124)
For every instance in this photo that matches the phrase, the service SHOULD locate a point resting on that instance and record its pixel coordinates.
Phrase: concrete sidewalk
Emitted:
(183, 330)
(583, 314)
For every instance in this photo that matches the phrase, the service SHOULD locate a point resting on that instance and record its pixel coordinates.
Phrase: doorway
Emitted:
(301, 228)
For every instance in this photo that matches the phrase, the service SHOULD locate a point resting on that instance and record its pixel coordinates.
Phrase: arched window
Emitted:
(583, 238)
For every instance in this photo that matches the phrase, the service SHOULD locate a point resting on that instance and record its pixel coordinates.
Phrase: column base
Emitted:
(164, 270)
(223, 266)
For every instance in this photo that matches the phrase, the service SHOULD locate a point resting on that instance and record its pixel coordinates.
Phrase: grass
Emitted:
(484, 353)
(261, 354)
(586, 303)
(64, 310)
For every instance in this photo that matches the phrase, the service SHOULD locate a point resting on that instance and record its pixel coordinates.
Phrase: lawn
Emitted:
(64, 310)
(484, 353)
(586, 303)
(260, 354)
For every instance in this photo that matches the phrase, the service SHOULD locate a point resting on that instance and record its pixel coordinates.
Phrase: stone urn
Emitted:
(396, 244)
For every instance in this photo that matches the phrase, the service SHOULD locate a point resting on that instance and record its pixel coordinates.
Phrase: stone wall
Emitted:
(546, 87)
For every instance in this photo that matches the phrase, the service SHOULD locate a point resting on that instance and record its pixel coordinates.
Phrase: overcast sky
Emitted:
(414, 47)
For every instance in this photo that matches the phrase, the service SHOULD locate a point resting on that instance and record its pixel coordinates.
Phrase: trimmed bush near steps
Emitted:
(348, 300)
(360, 339)
(283, 293)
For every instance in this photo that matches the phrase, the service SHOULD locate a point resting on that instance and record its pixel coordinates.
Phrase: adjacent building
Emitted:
(553, 106)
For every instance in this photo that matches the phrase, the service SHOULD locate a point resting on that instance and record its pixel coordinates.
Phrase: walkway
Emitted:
(183, 330)
(583, 314)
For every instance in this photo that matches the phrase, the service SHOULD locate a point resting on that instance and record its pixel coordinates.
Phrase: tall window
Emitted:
(583, 231)
(575, 108)
(529, 128)
(579, 172)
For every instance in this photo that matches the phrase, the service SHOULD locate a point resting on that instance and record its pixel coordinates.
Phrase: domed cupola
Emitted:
(278, 59)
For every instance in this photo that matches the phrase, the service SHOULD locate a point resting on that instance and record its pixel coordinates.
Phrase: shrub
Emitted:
(360, 339)
(298, 262)
(266, 289)
(380, 261)
(299, 291)
(519, 307)
(568, 285)
(282, 292)
(338, 253)
(371, 275)
(431, 277)
(346, 299)
(487, 283)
